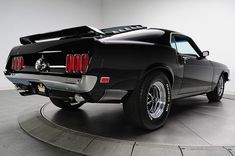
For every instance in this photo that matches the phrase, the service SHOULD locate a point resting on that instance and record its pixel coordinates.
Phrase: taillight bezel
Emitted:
(17, 63)
(79, 64)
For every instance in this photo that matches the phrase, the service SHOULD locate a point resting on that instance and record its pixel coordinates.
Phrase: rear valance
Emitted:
(61, 33)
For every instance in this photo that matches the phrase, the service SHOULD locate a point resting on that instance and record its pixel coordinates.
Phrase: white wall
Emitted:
(211, 23)
(25, 17)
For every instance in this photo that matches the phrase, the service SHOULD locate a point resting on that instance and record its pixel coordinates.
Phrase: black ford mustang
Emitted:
(143, 68)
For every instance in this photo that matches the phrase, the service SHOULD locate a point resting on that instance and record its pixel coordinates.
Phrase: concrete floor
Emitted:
(193, 121)
(13, 140)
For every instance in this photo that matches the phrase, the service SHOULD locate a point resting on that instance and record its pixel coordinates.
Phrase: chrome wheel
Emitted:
(156, 100)
(220, 86)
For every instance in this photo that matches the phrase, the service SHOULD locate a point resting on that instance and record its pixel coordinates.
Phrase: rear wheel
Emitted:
(149, 105)
(66, 105)
(218, 92)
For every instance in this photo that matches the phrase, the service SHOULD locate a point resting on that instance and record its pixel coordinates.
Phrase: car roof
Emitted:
(126, 28)
(138, 33)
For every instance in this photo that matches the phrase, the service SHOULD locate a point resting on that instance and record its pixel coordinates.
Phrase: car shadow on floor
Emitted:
(108, 120)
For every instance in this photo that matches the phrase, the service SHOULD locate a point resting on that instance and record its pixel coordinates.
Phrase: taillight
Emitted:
(85, 62)
(77, 63)
(17, 63)
(13, 63)
(21, 65)
(69, 63)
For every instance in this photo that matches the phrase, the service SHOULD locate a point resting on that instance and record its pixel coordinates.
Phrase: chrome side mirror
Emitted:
(205, 53)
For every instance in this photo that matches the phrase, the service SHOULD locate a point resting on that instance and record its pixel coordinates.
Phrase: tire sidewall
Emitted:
(220, 96)
(149, 80)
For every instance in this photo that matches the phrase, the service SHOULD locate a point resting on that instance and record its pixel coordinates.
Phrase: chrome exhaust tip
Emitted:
(78, 98)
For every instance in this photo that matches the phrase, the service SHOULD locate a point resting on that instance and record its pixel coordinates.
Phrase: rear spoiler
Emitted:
(61, 33)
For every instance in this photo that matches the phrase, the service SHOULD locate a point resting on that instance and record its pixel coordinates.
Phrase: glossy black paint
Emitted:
(126, 57)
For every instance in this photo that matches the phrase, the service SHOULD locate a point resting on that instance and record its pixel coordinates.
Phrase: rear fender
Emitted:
(160, 67)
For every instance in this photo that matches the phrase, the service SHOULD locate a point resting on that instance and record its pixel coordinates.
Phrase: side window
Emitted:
(184, 47)
(173, 44)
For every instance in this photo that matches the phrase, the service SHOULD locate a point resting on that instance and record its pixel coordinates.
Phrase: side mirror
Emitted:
(205, 53)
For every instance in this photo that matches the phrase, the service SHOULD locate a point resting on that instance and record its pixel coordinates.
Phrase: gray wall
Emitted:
(25, 17)
(210, 23)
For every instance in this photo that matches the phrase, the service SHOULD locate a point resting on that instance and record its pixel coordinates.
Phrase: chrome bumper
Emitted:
(77, 85)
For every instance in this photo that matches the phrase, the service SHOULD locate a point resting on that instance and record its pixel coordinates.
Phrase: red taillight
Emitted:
(21, 64)
(13, 63)
(85, 62)
(77, 63)
(17, 63)
(69, 63)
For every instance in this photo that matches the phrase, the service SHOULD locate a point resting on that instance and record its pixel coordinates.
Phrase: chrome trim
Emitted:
(97, 30)
(55, 51)
(156, 100)
(113, 95)
(57, 66)
(171, 34)
(78, 85)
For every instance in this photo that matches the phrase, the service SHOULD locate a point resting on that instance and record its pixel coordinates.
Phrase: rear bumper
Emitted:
(66, 87)
(75, 85)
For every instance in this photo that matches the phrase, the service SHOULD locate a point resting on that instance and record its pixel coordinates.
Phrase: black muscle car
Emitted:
(143, 68)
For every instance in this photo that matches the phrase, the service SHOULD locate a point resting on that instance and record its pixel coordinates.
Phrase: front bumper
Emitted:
(75, 85)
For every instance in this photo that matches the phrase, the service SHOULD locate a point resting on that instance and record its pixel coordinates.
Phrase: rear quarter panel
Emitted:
(126, 63)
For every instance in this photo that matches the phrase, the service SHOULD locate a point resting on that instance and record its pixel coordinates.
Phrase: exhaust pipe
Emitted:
(78, 98)
(26, 90)
(26, 93)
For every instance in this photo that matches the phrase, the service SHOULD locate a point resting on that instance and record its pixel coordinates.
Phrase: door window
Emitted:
(173, 44)
(183, 46)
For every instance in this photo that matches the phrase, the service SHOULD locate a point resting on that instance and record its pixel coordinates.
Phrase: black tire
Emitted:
(217, 94)
(65, 105)
(136, 108)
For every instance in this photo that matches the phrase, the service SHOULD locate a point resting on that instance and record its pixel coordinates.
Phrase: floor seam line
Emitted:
(194, 132)
(133, 148)
(181, 151)
(228, 151)
(88, 145)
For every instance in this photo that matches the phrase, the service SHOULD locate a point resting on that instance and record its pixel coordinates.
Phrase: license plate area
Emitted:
(41, 88)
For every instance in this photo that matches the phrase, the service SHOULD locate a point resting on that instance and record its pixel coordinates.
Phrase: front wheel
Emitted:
(65, 105)
(149, 105)
(217, 93)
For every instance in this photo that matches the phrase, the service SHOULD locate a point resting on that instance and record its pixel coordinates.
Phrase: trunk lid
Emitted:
(53, 52)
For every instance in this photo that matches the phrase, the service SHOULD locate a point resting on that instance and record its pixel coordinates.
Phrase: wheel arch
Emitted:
(159, 67)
